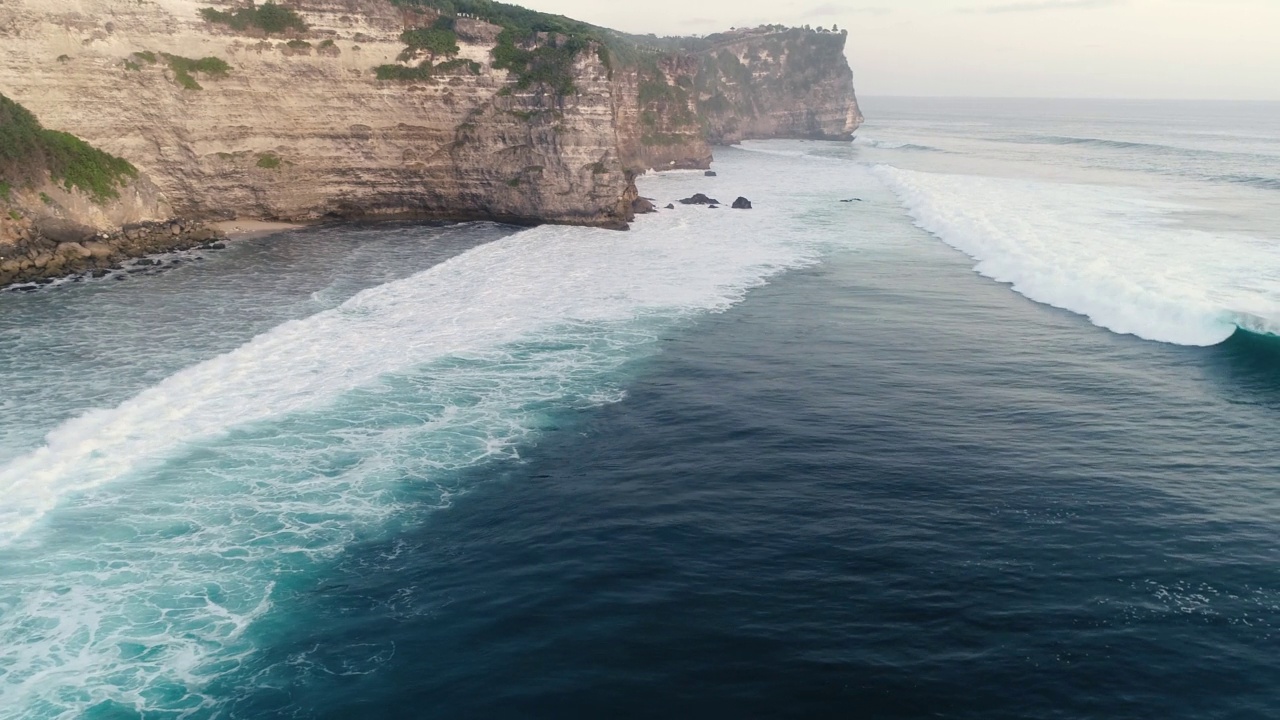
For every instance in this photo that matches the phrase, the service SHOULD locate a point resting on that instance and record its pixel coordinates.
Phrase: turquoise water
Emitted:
(796, 461)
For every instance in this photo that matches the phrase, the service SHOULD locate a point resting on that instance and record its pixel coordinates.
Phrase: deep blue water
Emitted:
(797, 462)
(805, 509)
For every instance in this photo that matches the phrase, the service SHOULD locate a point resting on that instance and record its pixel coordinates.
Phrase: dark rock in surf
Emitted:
(640, 206)
(709, 173)
(742, 204)
(699, 199)
(670, 207)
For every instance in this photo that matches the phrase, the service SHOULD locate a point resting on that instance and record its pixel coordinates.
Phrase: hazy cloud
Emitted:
(1037, 5)
(832, 9)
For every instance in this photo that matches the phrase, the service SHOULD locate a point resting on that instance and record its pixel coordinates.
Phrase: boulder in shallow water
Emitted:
(670, 207)
(641, 205)
(699, 199)
(709, 173)
(742, 204)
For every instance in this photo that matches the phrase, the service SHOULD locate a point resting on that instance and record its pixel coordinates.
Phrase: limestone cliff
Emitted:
(658, 122)
(64, 204)
(368, 107)
(774, 83)
(301, 128)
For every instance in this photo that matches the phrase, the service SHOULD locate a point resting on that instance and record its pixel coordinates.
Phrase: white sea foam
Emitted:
(865, 141)
(1112, 254)
(142, 542)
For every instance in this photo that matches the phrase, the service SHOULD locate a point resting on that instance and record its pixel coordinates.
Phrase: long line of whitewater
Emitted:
(144, 542)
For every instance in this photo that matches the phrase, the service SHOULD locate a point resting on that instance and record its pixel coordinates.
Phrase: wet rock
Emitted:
(146, 261)
(699, 199)
(742, 204)
(710, 173)
(852, 200)
(640, 206)
(214, 246)
(670, 206)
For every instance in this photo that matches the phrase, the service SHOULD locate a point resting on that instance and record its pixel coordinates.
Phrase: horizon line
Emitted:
(862, 96)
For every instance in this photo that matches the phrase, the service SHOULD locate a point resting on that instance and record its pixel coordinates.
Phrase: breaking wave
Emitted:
(142, 544)
(1110, 254)
(865, 141)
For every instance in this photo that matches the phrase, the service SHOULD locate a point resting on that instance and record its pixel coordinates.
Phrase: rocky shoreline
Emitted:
(42, 255)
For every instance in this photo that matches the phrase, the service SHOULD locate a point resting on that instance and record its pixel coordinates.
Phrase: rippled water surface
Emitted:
(801, 461)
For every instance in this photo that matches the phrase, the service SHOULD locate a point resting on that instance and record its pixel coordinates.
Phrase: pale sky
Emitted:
(1203, 49)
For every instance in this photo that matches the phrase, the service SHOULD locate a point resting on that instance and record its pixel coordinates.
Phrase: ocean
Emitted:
(974, 417)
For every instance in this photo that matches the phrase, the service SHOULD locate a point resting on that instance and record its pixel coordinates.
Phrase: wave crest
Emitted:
(1110, 254)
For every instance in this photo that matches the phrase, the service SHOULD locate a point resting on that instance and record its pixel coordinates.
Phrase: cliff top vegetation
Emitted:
(269, 17)
(537, 48)
(28, 150)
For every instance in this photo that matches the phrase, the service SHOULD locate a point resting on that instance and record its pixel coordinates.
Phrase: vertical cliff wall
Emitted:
(298, 126)
(659, 126)
(768, 83)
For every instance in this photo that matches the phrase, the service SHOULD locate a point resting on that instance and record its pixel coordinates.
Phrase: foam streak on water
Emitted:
(142, 542)
(1112, 254)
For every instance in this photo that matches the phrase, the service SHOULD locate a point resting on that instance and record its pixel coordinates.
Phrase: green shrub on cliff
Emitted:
(28, 150)
(269, 161)
(549, 62)
(423, 71)
(268, 17)
(80, 165)
(184, 69)
(439, 39)
(450, 66)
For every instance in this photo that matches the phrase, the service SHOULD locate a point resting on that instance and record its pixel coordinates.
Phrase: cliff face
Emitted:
(62, 202)
(658, 122)
(293, 123)
(304, 130)
(788, 83)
